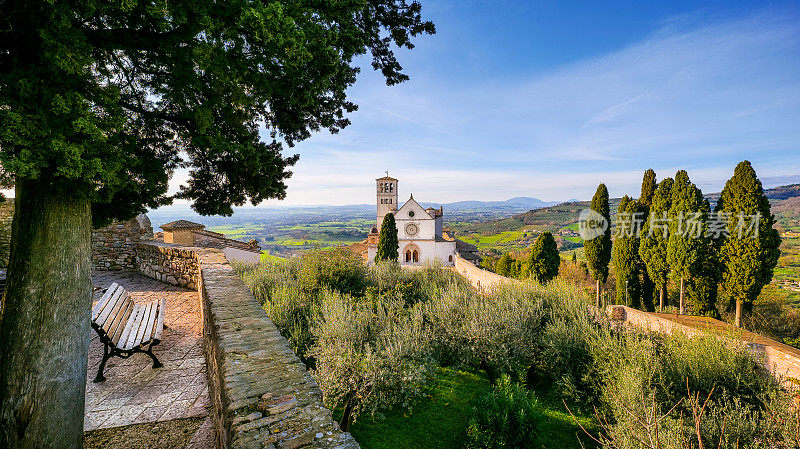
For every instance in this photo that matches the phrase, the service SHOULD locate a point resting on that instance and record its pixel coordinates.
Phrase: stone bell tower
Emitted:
(386, 190)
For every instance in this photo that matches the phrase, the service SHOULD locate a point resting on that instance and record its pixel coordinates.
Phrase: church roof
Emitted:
(386, 178)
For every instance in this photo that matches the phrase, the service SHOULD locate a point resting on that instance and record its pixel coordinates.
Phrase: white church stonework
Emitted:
(419, 231)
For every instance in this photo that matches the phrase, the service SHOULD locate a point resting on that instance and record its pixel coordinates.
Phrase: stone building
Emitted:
(187, 233)
(419, 230)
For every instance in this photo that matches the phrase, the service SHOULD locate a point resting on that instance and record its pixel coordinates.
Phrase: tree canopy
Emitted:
(107, 100)
(750, 250)
(655, 235)
(543, 261)
(625, 255)
(598, 250)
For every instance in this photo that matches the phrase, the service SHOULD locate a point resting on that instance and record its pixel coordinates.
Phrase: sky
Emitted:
(547, 99)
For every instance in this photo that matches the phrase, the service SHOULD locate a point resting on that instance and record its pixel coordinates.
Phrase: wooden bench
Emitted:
(126, 327)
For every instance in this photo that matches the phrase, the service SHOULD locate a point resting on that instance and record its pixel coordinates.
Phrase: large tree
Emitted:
(687, 243)
(625, 254)
(645, 201)
(100, 102)
(598, 249)
(654, 237)
(543, 261)
(388, 245)
(749, 252)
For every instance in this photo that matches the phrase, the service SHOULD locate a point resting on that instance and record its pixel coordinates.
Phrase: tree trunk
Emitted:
(598, 294)
(662, 293)
(347, 415)
(44, 323)
(680, 303)
(739, 306)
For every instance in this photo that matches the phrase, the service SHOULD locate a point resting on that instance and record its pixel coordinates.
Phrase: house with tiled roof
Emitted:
(188, 233)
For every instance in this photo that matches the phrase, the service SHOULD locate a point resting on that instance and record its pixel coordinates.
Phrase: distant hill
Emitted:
(514, 205)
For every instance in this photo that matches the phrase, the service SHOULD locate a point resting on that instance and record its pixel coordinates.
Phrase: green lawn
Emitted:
(441, 419)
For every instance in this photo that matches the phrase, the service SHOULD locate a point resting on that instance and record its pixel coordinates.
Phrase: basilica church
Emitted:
(419, 231)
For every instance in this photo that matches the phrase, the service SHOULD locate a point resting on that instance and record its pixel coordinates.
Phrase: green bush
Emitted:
(507, 417)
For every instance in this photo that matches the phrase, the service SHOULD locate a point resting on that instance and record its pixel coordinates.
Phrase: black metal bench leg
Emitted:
(156, 363)
(106, 355)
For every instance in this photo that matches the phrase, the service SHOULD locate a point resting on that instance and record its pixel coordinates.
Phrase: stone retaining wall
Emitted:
(778, 359)
(168, 263)
(262, 394)
(481, 279)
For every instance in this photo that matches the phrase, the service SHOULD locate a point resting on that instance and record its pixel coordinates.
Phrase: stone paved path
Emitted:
(134, 392)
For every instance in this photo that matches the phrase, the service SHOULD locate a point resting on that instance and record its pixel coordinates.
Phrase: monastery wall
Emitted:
(481, 279)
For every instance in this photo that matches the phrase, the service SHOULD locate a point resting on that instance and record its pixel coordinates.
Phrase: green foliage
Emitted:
(505, 266)
(598, 250)
(654, 239)
(388, 245)
(658, 380)
(625, 255)
(687, 245)
(543, 261)
(107, 99)
(649, 186)
(747, 262)
(507, 417)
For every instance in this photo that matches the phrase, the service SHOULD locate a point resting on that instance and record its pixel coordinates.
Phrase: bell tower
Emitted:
(386, 191)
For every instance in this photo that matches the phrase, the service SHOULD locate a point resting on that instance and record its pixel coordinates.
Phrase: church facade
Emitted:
(419, 230)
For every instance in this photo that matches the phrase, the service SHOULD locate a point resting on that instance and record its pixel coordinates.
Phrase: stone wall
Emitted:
(778, 358)
(6, 217)
(263, 395)
(481, 279)
(114, 246)
(166, 262)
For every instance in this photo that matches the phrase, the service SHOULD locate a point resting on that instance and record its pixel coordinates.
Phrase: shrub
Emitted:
(507, 417)
(368, 358)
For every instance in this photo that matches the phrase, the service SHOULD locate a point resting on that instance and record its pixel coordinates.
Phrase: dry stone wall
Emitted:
(6, 217)
(114, 246)
(173, 264)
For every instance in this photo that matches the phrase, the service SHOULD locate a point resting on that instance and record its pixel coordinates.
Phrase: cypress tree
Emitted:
(687, 245)
(653, 243)
(598, 249)
(645, 202)
(747, 261)
(388, 245)
(625, 255)
(544, 260)
(574, 258)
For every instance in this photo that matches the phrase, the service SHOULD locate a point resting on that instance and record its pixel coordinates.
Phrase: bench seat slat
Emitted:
(159, 327)
(129, 326)
(120, 327)
(116, 313)
(109, 307)
(151, 321)
(102, 302)
(143, 326)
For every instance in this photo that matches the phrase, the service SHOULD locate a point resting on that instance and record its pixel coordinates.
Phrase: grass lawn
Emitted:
(440, 421)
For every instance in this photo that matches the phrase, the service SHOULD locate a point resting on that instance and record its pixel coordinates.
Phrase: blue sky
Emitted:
(547, 99)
